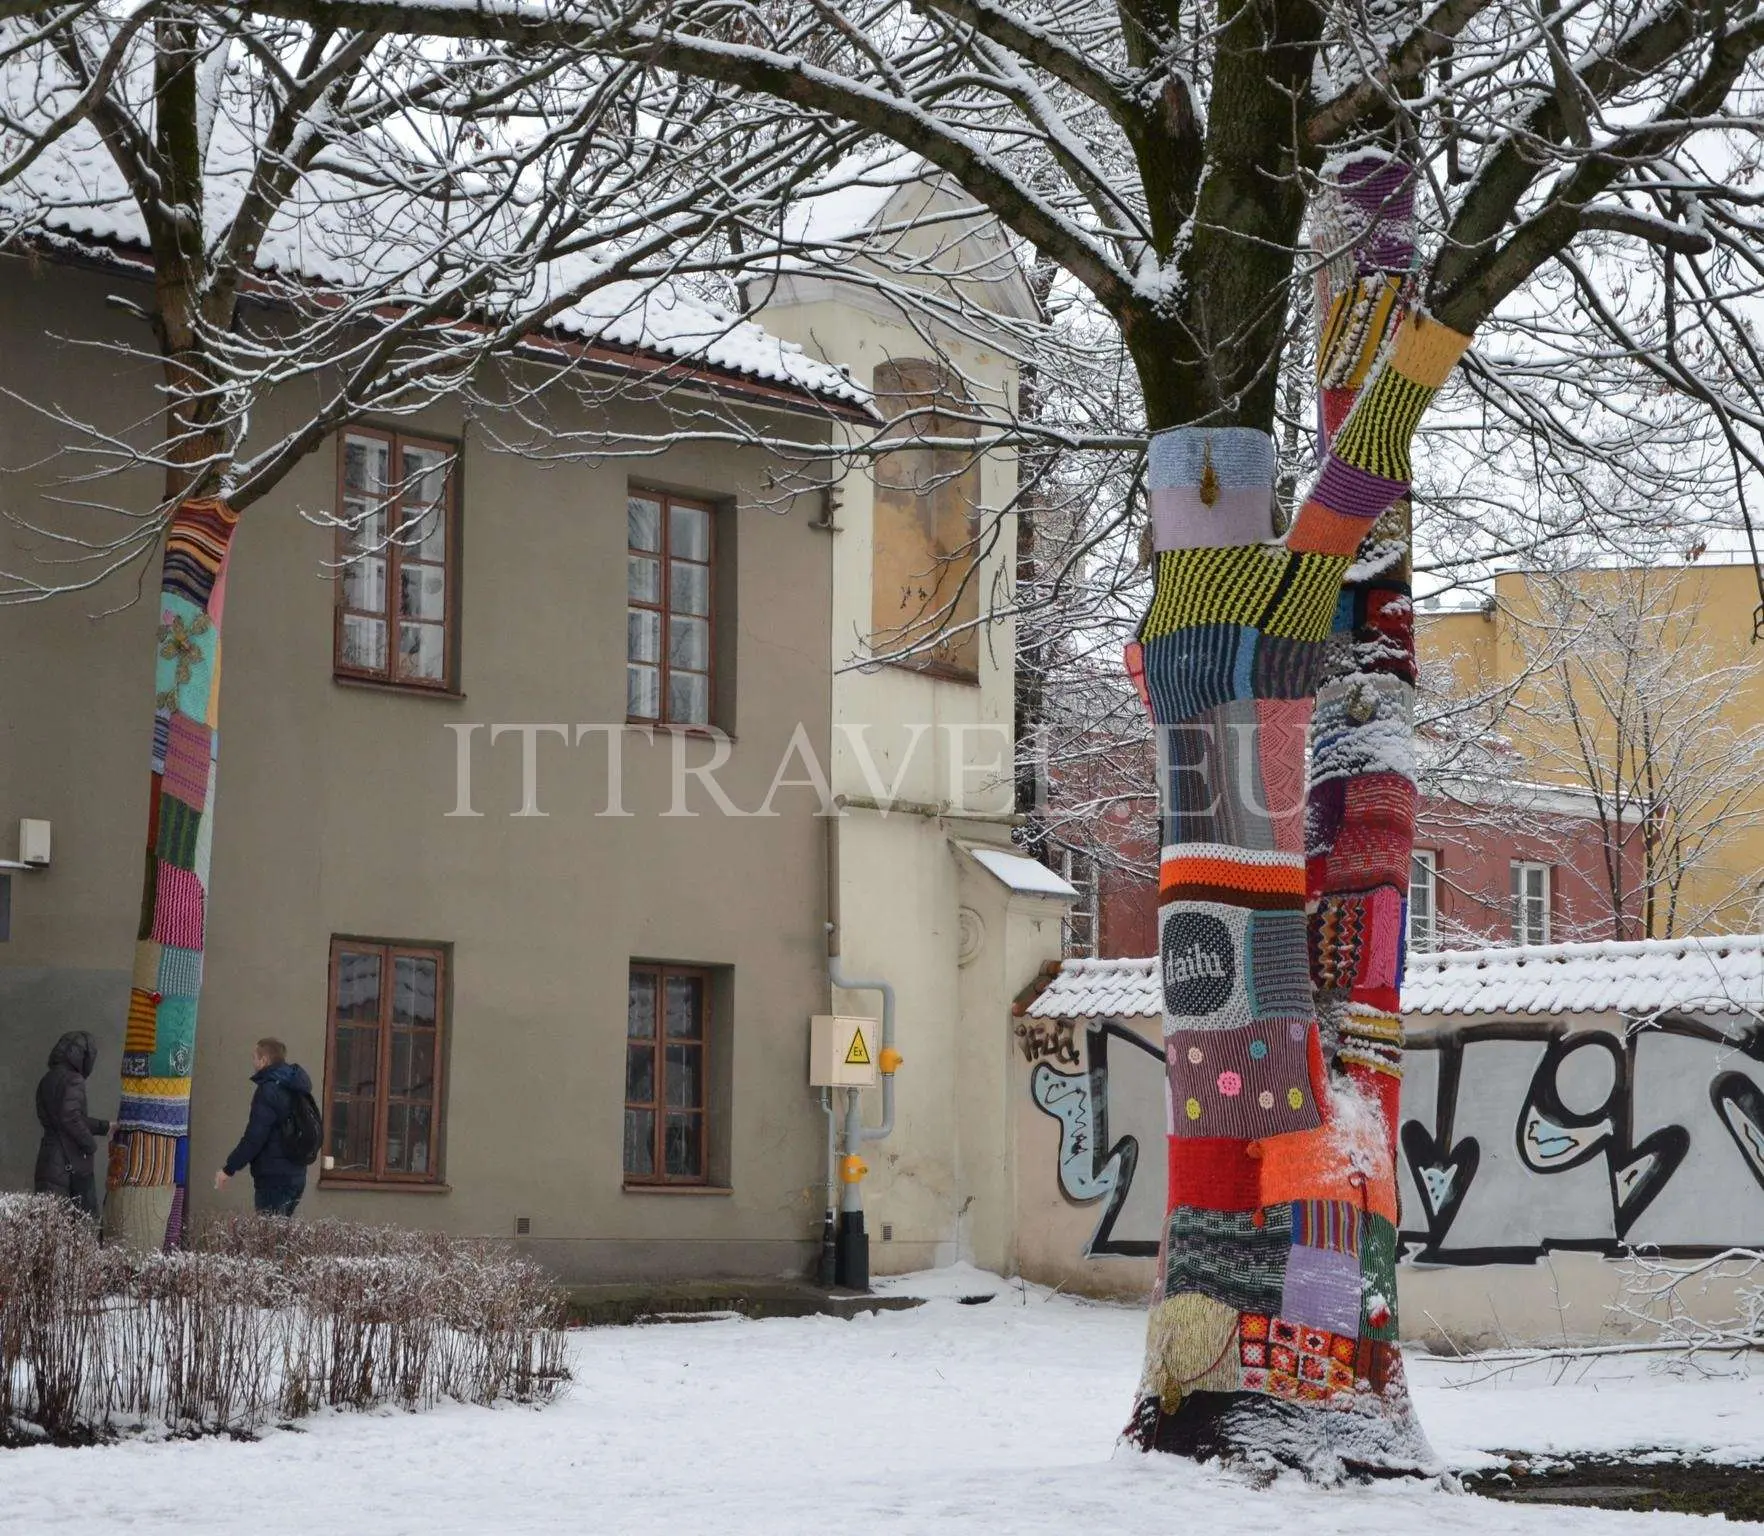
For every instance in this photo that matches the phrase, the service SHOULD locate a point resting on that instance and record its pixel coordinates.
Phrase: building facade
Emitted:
(923, 689)
(534, 828)
(544, 982)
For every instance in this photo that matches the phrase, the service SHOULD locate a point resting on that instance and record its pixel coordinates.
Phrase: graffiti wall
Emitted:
(1518, 1138)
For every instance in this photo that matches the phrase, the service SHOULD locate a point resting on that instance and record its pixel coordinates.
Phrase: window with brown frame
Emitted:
(395, 559)
(669, 671)
(383, 1062)
(667, 1039)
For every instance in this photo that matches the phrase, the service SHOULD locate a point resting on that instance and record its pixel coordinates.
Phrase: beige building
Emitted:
(461, 986)
(549, 981)
(928, 896)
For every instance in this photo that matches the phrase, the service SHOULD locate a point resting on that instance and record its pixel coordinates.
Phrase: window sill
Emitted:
(407, 690)
(678, 1189)
(940, 671)
(384, 1186)
(668, 728)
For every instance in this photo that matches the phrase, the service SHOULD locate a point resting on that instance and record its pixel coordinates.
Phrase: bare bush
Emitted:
(262, 1321)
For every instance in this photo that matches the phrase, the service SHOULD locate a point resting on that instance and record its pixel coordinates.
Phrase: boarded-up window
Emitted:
(927, 525)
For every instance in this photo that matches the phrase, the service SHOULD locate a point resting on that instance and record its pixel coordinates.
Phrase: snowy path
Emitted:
(996, 1418)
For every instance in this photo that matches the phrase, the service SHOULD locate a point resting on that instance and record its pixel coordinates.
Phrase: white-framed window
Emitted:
(1423, 900)
(1531, 903)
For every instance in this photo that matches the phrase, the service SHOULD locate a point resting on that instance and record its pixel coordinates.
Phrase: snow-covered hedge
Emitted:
(261, 1321)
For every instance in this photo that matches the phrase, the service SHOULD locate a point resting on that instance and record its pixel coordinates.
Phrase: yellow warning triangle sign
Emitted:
(859, 1054)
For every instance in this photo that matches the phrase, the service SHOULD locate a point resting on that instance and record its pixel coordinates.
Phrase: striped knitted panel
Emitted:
(1366, 469)
(149, 1161)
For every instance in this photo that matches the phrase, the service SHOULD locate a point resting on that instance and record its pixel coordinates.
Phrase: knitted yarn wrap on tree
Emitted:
(150, 1142)
(1275, 1332)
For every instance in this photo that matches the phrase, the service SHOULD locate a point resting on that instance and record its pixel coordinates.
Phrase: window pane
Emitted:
(422, 1122)
(365, 465)
(397, 1138)
(688, 587)
(643, 692)
(643, 579)
(689, 698)
(422, 592)
(364, 585)
(640, 1074)
(640, 1142)
(642, 634)
(689, 644)
(425, 476)
(413, 1064)
(358, 986)
(422, 651)
(643, 522)
(689, 532)
(685, 1077)
(414, 980)
(364, 643)
(685, 1006)
(640, 1007)
(366, 525)
(684, 1151)
(358, 1060)
(427, 535)
(352, 1126)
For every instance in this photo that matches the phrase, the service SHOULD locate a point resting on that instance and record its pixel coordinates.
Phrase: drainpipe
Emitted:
(827, 1272)
(852, 1252)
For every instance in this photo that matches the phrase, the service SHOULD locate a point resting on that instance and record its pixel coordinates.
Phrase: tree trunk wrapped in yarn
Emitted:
(1273, 1333)
(149, 1149)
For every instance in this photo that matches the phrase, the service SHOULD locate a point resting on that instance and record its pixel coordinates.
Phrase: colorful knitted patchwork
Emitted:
(1257, 658)
(149, 1156)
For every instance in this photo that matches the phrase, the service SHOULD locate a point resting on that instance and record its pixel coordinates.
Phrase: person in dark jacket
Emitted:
(278, 1179)
(70, 1135)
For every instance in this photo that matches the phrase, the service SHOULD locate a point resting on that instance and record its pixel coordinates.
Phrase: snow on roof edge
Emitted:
(1715, 973)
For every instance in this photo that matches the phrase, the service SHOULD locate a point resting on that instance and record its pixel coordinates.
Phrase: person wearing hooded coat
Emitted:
(70, 1135)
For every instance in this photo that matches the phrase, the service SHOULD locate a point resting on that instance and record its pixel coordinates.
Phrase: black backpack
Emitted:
(303, 1128)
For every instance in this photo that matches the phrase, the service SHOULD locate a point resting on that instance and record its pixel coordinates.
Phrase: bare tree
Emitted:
(1619, 692)
(1574, 194)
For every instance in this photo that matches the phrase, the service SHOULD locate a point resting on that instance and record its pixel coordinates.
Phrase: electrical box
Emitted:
(842, 1051)
(33, 842)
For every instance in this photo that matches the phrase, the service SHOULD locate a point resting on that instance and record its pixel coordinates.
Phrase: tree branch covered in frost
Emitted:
(366, 224)
(1588, 204)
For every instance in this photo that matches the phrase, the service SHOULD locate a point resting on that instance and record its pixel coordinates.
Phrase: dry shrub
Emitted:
(262, 1320)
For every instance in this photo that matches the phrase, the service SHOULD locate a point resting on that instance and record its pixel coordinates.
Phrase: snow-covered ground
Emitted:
(949, 1418)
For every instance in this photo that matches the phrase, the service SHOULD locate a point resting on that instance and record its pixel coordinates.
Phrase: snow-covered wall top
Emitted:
(1723, 974)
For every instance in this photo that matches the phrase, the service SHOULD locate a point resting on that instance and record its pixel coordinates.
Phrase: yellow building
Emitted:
(1640, 690)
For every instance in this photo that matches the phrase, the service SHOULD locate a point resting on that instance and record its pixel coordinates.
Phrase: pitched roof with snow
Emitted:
(1719, 974)
(1089, 988)
(335, 231)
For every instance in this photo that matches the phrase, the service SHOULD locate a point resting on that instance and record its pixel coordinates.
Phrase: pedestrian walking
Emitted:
(282, 1135)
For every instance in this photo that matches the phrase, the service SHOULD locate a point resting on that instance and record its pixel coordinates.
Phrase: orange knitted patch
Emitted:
(140, 1033)
(1321, 530)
